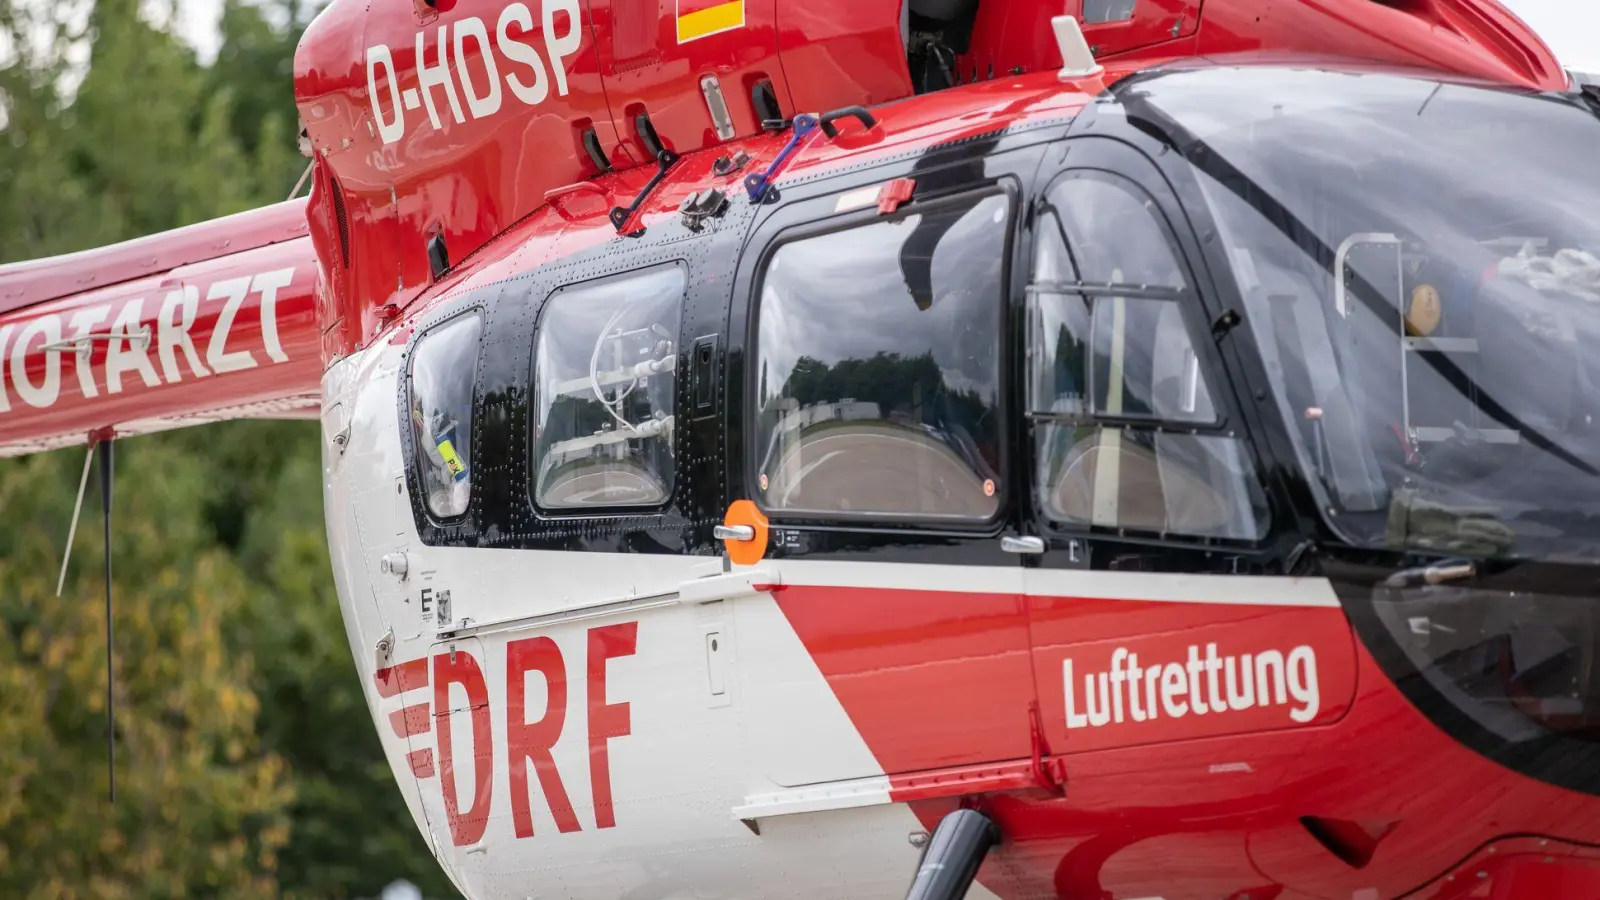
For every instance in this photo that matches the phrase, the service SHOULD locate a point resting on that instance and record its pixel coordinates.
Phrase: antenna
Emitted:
(1077, 60)
(104, 446)
(111, 718)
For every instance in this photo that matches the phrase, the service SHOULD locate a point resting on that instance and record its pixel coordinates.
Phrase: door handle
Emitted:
(730, 585)
(394, 564)
(1029, 544)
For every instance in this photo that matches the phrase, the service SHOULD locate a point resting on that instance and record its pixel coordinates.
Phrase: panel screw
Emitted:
(918, 839)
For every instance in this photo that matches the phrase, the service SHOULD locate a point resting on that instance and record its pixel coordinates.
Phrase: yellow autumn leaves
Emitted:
(200, 809)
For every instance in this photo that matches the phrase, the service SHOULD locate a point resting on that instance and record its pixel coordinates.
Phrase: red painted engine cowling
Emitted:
(455, 119)
(447, 118)
(1478, 38)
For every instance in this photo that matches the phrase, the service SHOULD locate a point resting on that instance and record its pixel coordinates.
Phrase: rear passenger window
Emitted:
(605, 391)
(878, 366)
(444, 366)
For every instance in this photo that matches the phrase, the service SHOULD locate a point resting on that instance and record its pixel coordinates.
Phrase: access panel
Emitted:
(694, 66)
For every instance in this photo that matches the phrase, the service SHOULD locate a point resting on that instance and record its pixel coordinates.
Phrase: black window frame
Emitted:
(409, 440)
(605, 513)
(1191, 309)
(830, 224)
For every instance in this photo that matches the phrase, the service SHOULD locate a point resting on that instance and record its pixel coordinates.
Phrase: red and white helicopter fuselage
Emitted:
(678, 697)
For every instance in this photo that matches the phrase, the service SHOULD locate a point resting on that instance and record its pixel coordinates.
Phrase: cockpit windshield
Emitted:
(1420, 265)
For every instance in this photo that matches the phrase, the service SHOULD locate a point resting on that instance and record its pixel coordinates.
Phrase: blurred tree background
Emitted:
(247, 764)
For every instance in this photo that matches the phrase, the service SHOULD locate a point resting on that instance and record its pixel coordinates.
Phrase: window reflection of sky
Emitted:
(1393, 140)
(848, 298)
(1115, 237)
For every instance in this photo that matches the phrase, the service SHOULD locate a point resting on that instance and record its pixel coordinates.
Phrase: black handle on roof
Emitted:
(860, 112)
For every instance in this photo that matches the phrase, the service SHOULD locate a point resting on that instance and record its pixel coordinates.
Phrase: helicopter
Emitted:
(1140, 449)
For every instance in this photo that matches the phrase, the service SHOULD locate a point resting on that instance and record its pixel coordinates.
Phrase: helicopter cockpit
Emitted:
(1420, 264)
(1417, 262)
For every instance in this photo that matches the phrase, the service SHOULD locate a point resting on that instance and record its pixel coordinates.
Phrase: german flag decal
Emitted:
(701, 18)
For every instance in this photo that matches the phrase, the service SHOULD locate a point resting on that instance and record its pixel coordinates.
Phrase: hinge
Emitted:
(383, 651)
(1050, 774)
(895, 193)
(1224, 324)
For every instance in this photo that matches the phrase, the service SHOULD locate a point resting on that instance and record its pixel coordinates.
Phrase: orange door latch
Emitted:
(743, 533)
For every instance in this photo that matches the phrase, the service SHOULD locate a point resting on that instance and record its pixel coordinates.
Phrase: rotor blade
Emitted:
(72, 531)
(111, 718)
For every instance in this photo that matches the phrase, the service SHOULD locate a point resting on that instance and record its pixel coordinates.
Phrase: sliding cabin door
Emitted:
(870, 426)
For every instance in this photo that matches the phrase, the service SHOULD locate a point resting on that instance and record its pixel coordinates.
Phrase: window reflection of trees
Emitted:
(909, 439)
(894, 383)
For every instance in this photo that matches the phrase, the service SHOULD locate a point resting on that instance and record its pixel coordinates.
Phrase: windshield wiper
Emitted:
(1590, 95)
(1588, 86)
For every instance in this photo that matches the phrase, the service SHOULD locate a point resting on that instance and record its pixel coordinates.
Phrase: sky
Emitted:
(197, 22)
(1570, 27)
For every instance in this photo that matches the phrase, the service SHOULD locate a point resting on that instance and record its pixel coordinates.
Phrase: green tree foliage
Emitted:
(247, 763)
(254, 68)
(201, 804)
(910, 388)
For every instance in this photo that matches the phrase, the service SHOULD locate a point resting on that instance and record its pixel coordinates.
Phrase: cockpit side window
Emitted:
(878, 366)
(444, 366)
(605, 392)
(1119, 397)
